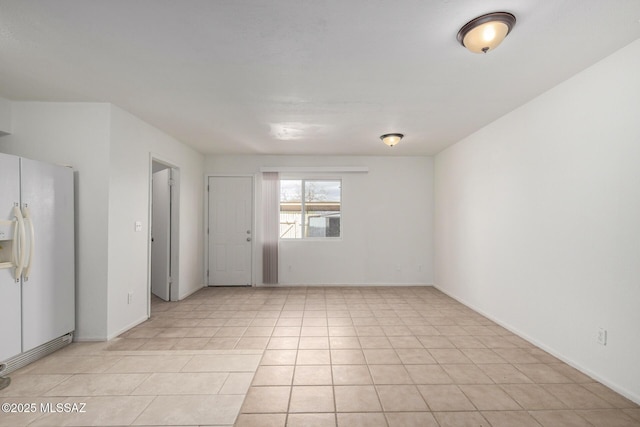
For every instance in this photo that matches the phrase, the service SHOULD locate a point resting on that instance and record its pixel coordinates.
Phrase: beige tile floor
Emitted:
(307, 356)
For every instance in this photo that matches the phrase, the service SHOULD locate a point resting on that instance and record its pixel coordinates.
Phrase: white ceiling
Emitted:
(302, 76)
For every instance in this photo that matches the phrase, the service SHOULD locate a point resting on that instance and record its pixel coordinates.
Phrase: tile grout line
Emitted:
(143, 410)
(319, 301)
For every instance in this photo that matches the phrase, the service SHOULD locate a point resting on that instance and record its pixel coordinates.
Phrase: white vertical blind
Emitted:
(271, 226)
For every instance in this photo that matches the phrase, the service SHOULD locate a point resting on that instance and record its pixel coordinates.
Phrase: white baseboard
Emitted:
(126, 328)
(191, 292)
(343, 285)
(615, 387)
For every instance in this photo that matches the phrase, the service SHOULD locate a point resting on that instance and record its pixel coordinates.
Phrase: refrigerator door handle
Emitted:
(14, 258)
(32, 242)
(19, 242)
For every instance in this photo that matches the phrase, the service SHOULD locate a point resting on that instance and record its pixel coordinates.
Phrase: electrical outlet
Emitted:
(602, 336)
(129, 297)
(137, 226)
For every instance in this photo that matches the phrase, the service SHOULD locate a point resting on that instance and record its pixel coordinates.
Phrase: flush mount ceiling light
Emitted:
(486, 32)
(391, 139)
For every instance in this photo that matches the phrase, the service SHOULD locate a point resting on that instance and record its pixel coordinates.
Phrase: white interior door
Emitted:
(10, 305)
(161, 234)
(230, 231)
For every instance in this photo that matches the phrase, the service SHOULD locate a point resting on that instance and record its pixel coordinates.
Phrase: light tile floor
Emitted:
(330, 356)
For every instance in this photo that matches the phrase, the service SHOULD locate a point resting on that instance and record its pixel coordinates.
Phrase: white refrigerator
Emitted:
(37, 286)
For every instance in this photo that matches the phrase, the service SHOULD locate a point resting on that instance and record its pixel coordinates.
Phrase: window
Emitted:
(310, 208)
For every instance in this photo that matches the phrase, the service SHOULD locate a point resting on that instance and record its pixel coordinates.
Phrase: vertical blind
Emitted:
(271, 226)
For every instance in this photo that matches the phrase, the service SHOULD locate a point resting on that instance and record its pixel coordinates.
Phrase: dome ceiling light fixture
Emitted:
(391, 139)
(486, 32)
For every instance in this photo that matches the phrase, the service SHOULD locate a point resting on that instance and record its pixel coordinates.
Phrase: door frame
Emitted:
(174, 260)
(253, 224)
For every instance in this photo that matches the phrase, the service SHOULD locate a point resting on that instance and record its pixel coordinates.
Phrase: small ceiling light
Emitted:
(486, 32)
(391, 139)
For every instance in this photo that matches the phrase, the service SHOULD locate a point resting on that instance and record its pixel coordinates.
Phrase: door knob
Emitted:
(248, 239)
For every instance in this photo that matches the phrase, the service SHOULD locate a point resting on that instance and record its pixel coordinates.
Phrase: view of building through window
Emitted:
(310, 208)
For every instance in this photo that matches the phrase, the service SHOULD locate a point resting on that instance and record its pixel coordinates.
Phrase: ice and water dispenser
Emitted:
(8, 244)
(7, 231)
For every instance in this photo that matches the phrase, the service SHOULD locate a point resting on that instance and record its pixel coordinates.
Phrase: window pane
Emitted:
(322, 208)
(290, 209)
(290, 190)
(322, 191)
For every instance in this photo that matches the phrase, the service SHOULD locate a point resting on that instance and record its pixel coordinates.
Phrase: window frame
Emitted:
(305, 178)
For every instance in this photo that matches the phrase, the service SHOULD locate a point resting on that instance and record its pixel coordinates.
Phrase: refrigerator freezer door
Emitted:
(9, 289)
(48, 296)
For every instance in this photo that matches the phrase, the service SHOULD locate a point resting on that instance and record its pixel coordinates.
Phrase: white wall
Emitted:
(386, 222)
(110, 151)
(5, 116)
(537, 220)
(75, 134)
(132, 141)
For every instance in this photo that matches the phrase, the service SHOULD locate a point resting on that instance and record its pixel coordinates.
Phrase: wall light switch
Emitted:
(602, 336)
(138, 226)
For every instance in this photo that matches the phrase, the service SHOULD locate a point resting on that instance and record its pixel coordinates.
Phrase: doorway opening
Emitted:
(164, 208)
